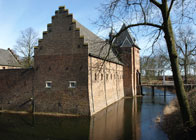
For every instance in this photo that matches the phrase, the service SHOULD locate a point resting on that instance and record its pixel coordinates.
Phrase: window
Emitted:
(48, 84)
(95, 76)
(72, 84)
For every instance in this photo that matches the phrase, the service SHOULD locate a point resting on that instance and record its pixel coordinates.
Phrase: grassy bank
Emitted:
(171, 122)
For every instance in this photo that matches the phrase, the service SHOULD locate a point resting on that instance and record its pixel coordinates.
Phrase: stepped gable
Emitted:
(7, 58)
(96, 46)
(62, 24)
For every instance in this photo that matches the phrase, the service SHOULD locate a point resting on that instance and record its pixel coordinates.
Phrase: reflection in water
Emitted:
(108, 124)
(17, 127)
(131, 119)
(118, 122)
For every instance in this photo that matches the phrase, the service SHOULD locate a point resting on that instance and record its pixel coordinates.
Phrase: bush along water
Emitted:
(172, 123)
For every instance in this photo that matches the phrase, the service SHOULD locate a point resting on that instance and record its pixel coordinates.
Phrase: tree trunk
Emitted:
(185, 71)
(185, 63)
(180, 92)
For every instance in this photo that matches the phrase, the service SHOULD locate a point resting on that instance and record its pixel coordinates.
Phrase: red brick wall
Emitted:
(61, 57)
(105, 83)
(15, 89)
(130, 57)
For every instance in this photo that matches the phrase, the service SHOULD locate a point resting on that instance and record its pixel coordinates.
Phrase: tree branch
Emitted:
(156, 39)
(134, 25)
(144, 14)
(180, 48)
(191, 51)
(156, 3)
(170, 7)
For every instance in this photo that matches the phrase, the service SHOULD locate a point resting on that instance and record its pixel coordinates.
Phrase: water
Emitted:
(151, 108)
(128, 119)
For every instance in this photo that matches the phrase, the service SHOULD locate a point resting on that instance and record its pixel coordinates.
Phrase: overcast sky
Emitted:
(17, 15)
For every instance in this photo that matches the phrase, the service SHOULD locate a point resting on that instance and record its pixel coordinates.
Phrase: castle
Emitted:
(75, 72)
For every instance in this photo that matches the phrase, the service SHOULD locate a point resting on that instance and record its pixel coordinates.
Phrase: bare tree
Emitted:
(186, 47)
(25, 46)
(148, 66)
(161, 16)
(154, 66)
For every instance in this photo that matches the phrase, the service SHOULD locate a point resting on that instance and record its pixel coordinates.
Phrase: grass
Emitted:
(171, 122)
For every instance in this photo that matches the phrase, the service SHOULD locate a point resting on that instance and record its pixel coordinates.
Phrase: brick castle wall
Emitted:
(16, 89)
(135, 71)
(61, 57)
(105, 84)
(130, 57)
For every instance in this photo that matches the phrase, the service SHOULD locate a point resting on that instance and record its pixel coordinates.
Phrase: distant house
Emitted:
(8, 60)
(75, 72)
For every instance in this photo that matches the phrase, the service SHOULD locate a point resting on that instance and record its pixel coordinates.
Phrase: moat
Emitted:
(128, 119)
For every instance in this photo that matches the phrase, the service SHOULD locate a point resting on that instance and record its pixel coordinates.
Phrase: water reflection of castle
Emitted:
(119, 121)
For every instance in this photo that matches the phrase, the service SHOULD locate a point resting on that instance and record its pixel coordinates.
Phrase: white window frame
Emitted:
(72, 82)
(48, 82)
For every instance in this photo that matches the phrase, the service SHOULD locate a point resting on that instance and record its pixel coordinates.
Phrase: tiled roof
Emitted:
(7, 58)
(125, 39)
(96, 46)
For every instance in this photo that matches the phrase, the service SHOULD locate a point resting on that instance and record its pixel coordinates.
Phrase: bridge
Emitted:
(165, 85)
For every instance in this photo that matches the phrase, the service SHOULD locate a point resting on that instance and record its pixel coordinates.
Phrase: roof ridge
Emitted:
(96, 46)
(77, 22)
(12, 53)
(6, 58)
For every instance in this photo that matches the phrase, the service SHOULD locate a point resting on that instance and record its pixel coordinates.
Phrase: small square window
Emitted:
(48, 84)
(72, 84)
